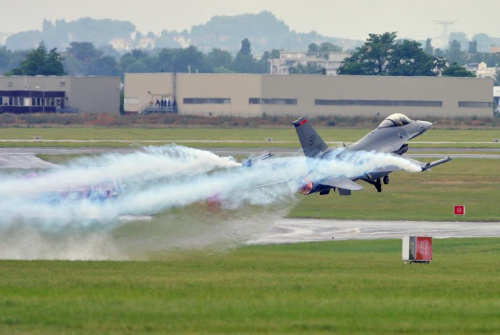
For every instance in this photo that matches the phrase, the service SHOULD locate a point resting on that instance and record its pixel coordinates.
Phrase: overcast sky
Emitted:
(347, 18)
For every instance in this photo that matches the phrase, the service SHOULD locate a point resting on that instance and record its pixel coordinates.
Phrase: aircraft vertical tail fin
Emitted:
(312, 143)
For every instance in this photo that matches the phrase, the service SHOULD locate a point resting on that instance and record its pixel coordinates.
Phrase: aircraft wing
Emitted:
(250, 162)
(428, 166)
(341, 183)
(438, 162)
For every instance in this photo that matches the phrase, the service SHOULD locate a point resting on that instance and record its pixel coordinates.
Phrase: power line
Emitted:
(445, 25)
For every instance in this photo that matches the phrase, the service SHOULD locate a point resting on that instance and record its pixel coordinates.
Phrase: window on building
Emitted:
(207, 101)
(62, 84)
(10, 84)
(272, 101)
(385, 103)
(475, 104)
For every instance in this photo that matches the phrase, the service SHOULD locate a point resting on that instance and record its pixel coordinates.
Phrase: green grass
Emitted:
(341, 287)
(286, 137)
(427, 196)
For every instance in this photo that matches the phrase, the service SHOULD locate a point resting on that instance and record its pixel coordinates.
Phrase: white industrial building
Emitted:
(254, 95)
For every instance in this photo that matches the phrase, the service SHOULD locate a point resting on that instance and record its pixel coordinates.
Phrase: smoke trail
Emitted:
(176, 197)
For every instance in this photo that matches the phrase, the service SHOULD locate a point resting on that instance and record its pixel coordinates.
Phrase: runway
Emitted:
(311, 230)
(25, 158)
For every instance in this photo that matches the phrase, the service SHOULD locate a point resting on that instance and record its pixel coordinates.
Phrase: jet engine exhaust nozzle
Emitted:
(307, 187)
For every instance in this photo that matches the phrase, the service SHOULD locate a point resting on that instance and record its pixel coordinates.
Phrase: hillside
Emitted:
(264, 31)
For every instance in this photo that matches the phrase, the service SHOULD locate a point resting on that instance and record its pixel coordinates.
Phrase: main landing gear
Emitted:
(378, 182)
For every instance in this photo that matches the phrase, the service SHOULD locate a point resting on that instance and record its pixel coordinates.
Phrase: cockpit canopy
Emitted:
(395, 120)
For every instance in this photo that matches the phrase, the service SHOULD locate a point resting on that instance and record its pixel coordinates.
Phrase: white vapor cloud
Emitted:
(190, 197)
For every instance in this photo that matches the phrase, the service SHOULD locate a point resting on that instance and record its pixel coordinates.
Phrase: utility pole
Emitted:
(445, 25)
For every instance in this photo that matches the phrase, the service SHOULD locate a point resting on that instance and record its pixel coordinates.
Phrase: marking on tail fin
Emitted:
(300, 122)
(312, 144)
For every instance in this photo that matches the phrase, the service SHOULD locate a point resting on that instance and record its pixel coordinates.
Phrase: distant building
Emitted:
(59, 94)
(483, 71)
(330, 61)
(495, 50)
(255, 95)
(496, 99)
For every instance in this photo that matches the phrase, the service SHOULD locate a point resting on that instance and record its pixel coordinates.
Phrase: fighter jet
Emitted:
(389, 137)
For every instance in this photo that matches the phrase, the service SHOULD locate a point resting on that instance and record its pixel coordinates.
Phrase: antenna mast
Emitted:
(445, 25)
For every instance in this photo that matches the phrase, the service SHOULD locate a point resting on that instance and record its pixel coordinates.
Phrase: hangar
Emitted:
(62, 94)
(254, 95)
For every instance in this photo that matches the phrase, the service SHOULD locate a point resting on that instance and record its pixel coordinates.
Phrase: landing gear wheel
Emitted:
(378, 185)
(386, 180)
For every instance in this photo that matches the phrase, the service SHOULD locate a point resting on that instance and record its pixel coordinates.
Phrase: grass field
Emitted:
(341, 287)
(427, 196)
(233, 137)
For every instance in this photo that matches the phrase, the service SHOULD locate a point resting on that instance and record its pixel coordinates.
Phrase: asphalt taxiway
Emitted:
(26, 158)
(310, 230)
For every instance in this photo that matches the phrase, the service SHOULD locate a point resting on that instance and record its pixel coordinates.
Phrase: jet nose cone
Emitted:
(425, 125)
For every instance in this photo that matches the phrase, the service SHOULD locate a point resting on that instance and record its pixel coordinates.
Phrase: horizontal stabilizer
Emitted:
(342, 183)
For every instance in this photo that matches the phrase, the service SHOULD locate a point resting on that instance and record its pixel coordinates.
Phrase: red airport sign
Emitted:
(424, 248)
(459, 210)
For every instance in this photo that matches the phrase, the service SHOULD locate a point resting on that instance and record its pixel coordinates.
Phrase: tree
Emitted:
(329, 47)
(136, 61)
(244, 61)
(454, 54)
(472, 49)
(180, 60)
(105, 66)
(460, 37)
(53, 64)
(40, 62)
(246, 49)
(190, 59)
(455, 70)
(83, 51)
(84, 59)
(262, 65)
(483, 41)
(313, 47)
(218, 58)
(408, 59)
(310, 68)
(381, 55)
(439, 53)
(428, 47)
(371, 58)
(5, 56)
